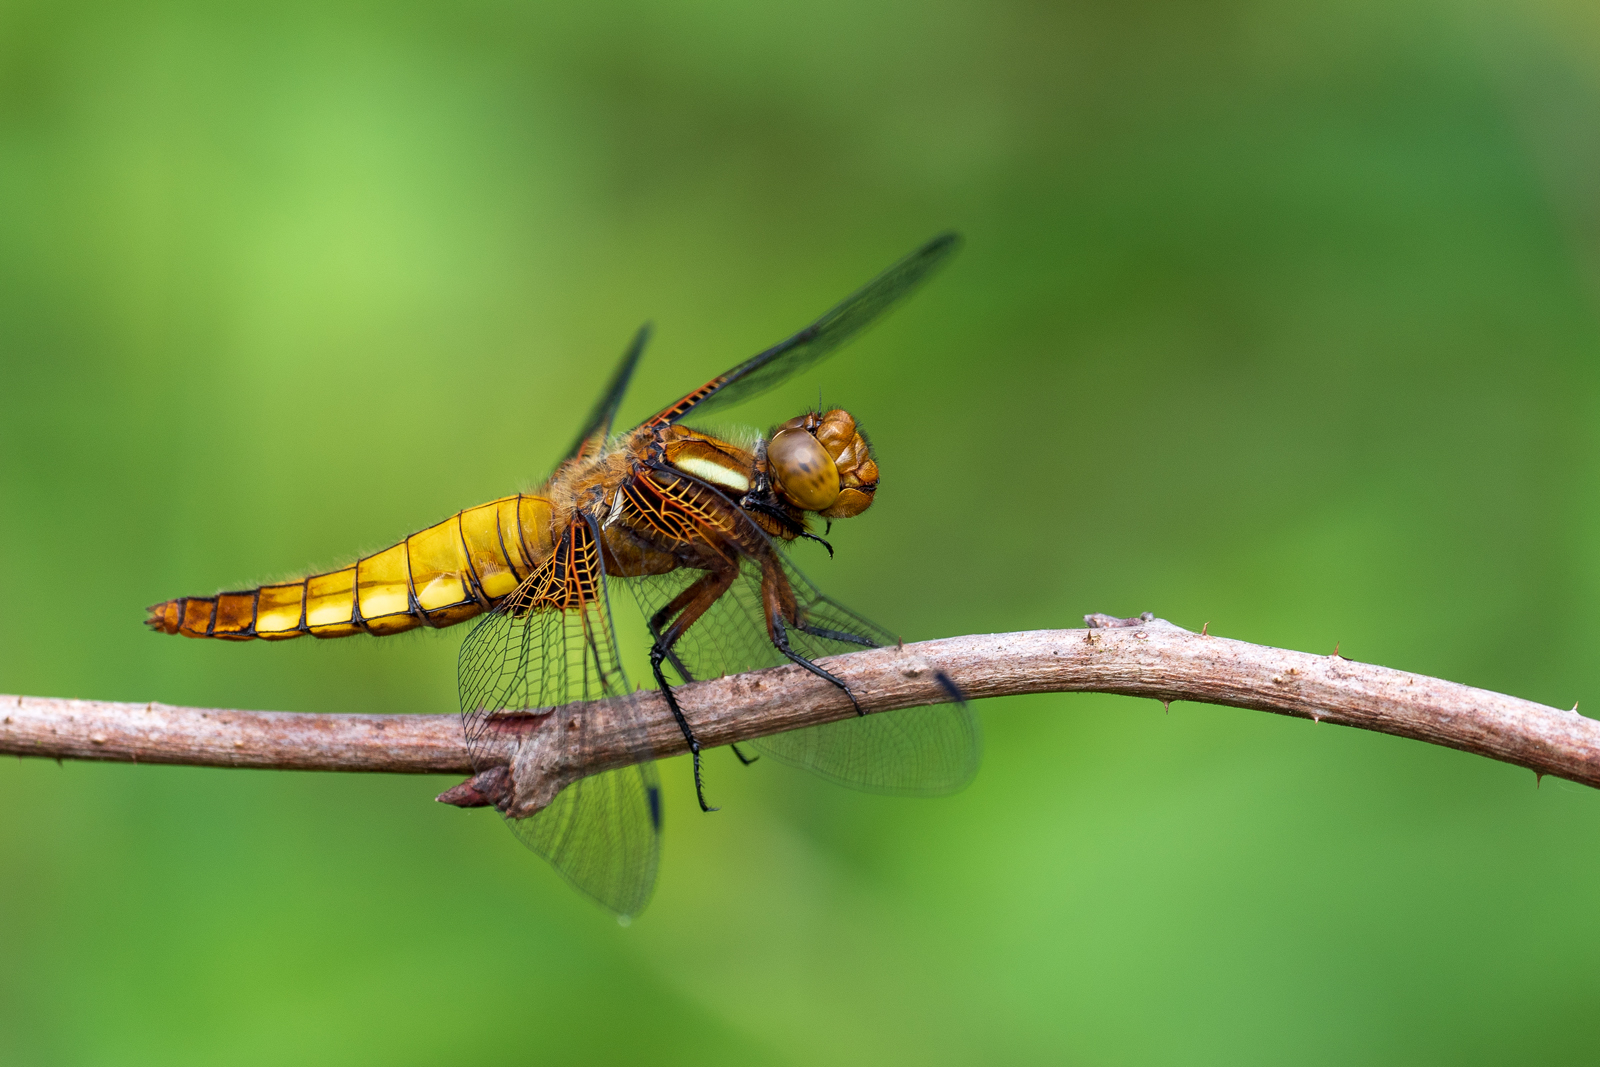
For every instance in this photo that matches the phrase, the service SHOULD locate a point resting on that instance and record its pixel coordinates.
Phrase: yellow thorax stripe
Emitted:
(718, 474)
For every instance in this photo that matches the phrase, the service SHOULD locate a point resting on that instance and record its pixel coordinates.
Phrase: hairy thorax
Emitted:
(662, 497)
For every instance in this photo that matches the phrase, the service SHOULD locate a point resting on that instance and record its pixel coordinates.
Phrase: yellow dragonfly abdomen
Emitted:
(436, 577)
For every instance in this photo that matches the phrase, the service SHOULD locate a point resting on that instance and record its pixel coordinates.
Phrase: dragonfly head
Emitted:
(822, 462)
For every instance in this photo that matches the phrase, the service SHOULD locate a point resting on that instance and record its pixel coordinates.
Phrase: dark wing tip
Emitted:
(605, 409)
(947, 243)
(766, 369)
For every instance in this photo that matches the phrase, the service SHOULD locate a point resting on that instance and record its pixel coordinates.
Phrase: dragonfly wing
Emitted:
(598, 425)
(912, 752)
(927, 751)
(766, 369)
(602, 832)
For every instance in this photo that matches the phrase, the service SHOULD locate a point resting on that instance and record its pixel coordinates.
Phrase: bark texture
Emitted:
(1143, 657)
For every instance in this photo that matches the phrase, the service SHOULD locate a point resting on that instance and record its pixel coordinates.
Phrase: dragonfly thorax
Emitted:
(723, 465)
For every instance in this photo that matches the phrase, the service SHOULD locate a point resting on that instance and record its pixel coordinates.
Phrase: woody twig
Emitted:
(1143, 657)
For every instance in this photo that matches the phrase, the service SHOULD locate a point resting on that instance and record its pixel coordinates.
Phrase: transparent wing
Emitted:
(912, 752)
(766, 369)
(603, 832)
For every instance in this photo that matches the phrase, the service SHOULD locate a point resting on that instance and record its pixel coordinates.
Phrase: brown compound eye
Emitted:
(803, 469)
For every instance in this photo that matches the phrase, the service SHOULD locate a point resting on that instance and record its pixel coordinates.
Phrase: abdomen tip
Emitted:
(164, 617)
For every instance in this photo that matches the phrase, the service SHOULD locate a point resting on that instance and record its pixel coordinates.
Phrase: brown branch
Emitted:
(1143, 657)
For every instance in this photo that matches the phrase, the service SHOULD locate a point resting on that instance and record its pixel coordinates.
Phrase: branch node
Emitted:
(490, 789)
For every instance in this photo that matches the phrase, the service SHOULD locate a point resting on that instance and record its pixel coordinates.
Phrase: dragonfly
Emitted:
(694, 528)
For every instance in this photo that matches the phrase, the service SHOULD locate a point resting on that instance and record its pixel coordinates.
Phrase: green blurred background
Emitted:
(1277, 316)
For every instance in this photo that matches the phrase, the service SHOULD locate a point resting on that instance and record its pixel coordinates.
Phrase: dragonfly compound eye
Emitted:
(803, 469)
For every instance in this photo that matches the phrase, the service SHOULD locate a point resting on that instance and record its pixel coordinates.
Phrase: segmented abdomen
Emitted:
(438, 577)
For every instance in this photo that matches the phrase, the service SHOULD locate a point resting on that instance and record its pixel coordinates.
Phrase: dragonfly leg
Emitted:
(945, 681)
(688, 606)
(777, 600)
(780, 641)
(657, 654)
(837, 635)
(657, 621)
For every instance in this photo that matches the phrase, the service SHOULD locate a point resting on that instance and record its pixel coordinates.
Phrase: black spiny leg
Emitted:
(952, 690)
(780, 641)
(688, 606)
(837, 635)
(655, 622)
(657, 654)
